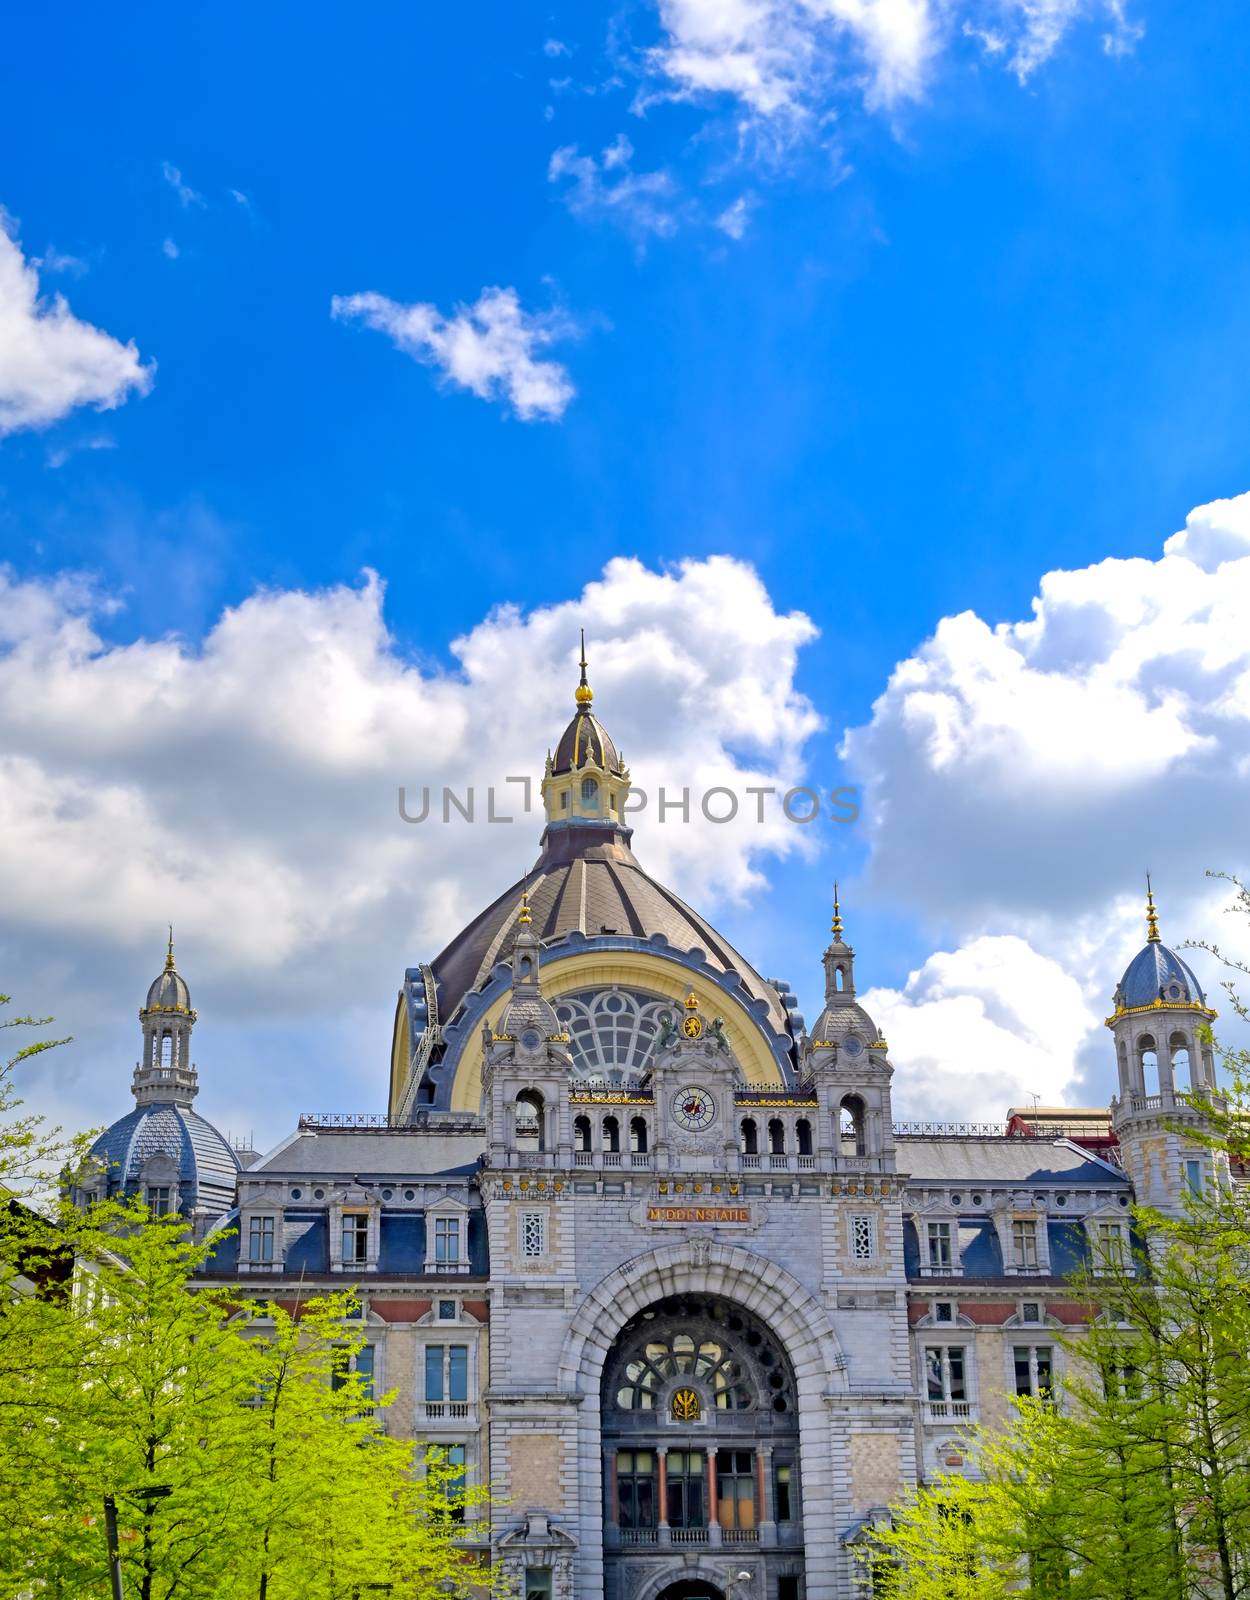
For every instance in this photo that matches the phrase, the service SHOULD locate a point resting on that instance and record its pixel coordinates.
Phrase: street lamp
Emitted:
(154, 1492)
(734, 1582)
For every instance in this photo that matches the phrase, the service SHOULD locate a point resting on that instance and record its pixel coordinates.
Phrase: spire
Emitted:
(583, 694)
(837, 916)
(523, 915)
(169, 952)
(1152, 916)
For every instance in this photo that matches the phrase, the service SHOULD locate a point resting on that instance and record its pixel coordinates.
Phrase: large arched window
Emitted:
(729, 1359)
(529, 1119)
(590, 794)
(612, 1032)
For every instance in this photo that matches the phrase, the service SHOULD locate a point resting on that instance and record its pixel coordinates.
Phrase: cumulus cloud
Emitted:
(1020, 778)
(50, 361)
(608, 187)
(785, 61)
(246, 789)
(734, 218)
(490, 348)
(977, 1029)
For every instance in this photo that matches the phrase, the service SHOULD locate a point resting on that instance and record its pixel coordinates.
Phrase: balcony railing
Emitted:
(750, 1163)
(688, 1535)
(611, 1158)
(639, 1158)
(948, 1410)
(446, 1410)
(583, 1158)
(807, 1163)
(740, 1535)
(639, 1535)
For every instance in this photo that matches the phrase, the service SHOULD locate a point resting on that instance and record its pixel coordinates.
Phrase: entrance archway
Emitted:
(774, 1301)
(691, 1589)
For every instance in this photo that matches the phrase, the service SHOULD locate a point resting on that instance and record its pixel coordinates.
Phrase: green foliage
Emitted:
(276, 1478)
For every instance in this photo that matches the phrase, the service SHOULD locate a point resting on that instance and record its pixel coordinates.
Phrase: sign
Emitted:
(698, 1213)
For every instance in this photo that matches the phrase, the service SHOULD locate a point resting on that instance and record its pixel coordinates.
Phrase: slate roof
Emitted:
(207, 1165)
(988, 1161)
(1157, 973)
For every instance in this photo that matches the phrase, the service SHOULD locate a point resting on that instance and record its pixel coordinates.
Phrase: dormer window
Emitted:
(447, 1242)
(160, 1200)
(260, 1233)
(590, 794)
(355, 1238)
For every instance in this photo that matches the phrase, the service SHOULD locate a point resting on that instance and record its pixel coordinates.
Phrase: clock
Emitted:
(693, 1109)
(692, 1027)
(853, 1046)
(531, 1039)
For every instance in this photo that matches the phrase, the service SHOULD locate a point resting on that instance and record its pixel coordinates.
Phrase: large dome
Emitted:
(1158, 974)
(587, 880)
(206, 1164)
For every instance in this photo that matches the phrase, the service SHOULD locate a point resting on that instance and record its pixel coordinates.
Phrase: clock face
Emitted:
(693, 1108)
(531, 1039)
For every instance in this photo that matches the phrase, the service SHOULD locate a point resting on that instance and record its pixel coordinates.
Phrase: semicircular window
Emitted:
(725, 1355)
(612, 1032)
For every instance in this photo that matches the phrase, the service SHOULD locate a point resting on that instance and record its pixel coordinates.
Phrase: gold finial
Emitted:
(1152, 916)
(837, 915)
(692, 1003)
(523, 915)
(583, 694)
(169, 953)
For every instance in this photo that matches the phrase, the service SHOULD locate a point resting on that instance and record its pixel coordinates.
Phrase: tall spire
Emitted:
(583, 694)
(1152, 916)
(523, 915)
(837, 916)
(169, 952)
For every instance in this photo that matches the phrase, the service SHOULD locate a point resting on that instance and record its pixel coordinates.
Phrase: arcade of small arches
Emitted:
(1154, 1063)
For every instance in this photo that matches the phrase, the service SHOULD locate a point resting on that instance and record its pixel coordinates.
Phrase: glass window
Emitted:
(861, 1238)
(538, 1583)
(1030, 1311)
(533, 1234)
(1024, 1241)
(939, 1244)
(1034, 1370)
(635, 1488)
(943, 1311)
(686, 1474)
(735, 1488)
(158, 1200)
(447, 1241)
(446, 1373)
(1110, 1244)
(355, 1237)
(1193, 1176)
(944, 1374)
(260, 1239)
(590, 794)
(612, 1032)
(362, 1362)
(783, 1480)
(446, 1310)
(456, 1459)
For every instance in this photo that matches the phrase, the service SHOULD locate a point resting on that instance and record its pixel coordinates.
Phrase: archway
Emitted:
(768, 1297)
(691, 1589)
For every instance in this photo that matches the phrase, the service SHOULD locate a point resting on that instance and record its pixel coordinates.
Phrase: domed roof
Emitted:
(587, 880)
(1157, 973)
(168, 991)
(586, 743)
(837, 1022)
(206, 1164)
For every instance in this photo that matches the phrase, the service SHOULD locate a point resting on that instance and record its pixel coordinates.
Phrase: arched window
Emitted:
(529, 1119)
(731, 1361)
(750, 1137)
(839, 979)
(851, 1130)
(803, 1133)
(590, 794)
(167, 1049)
(611, 1135)
(1182, 1060)
(638, 1135)
(612, 1033)
(776, 1137)
(1148, 1063)
(525, 969)
(581, 1134)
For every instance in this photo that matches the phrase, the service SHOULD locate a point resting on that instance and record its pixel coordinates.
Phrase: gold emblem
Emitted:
(685, 1406)
(692, 1026)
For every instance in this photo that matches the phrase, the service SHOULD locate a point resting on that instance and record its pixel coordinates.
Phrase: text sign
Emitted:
(698, 1213)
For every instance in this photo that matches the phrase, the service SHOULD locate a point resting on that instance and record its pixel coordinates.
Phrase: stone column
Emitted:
(713, 1519)
(767, 1511)
(611, 1526)
(661, 1519)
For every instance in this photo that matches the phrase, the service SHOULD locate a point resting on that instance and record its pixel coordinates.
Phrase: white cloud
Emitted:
(641, 202)
(490, 348)
(54, 260)
(60, 454)
(50, 362)
(1020, 778)
(981, 1028)
(734, 218)
(246, 789)
(786, 62)
(187, 196)
(554, 48)
(170, 250)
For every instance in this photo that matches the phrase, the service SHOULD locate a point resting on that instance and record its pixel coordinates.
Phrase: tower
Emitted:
(526, 1067)
(846, 1058)
(586, 781)
(163, 1149)
(1159, 1023)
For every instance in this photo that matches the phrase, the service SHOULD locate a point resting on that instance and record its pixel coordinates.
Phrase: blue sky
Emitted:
(975, 330)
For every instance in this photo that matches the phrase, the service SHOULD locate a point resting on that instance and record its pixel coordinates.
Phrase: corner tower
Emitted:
(1160, 1022)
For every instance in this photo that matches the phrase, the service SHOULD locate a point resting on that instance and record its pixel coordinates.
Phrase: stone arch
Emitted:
(715, 1574)
(793, 1314)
